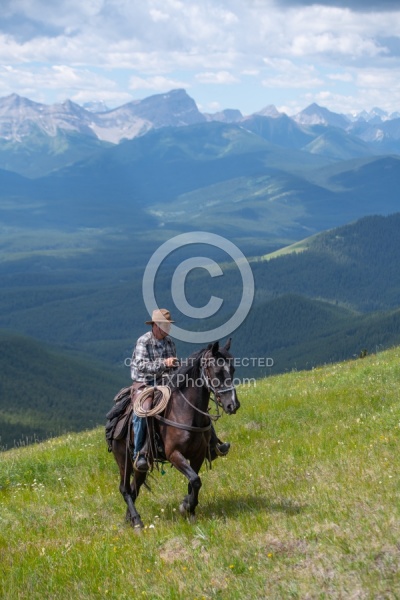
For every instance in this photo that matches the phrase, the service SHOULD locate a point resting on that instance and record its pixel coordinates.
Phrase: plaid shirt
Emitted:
(147, 363)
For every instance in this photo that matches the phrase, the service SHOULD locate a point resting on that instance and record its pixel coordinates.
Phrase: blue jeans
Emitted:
(139, 433)
(139, 423)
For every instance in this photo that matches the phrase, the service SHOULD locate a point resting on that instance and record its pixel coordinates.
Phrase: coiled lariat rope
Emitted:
(162, 394)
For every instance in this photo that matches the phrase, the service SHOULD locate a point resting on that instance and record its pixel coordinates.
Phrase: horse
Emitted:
(184, 426)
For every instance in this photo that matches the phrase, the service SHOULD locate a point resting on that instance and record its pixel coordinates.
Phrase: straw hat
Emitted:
(161, 315)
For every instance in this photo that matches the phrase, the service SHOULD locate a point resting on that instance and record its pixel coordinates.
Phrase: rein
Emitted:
(181, 425)
(165, 392)
(165, 397)
(206, 414)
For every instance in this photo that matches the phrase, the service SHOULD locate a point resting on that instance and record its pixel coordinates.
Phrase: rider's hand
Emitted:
(171, 362)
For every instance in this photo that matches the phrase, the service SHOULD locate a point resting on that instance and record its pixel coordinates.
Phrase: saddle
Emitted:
(119, 421)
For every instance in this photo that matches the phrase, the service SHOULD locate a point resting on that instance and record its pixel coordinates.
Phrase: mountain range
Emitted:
(211, 176)
(37, 138)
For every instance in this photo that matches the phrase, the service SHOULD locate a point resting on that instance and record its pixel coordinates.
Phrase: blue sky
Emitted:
(243, 54)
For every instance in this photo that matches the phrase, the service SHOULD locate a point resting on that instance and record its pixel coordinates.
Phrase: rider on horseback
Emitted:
(154, 357)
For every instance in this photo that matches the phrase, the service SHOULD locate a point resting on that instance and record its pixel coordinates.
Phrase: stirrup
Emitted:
(140, 463)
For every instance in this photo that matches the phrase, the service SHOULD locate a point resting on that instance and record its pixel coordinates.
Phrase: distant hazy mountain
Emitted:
(214, 176)
(280, 130)
(337, 144)
(229, 115)
(36, 139)
(318, 115)
(375, 114)
(269, 111)
(20, 117)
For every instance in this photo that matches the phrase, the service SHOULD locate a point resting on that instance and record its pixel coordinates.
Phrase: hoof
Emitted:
(185, 512)
(183, 509)
(135, 522)
(137, 525)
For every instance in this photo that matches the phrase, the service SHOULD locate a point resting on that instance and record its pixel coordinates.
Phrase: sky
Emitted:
(243, 54)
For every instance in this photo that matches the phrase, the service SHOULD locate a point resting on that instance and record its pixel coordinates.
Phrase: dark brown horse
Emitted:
(184, 426)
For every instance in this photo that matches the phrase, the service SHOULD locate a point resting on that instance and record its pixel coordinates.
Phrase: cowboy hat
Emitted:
(161, 315)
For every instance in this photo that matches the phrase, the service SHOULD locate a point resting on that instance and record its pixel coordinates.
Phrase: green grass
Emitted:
(292, 249)
(306, 505)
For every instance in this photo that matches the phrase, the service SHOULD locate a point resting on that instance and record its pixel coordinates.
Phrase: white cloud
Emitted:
(82, 84)
(333, 44)
(290, 75)
(345, 77)
(158, 15)
(123, 46)
(219, 77)
(158, 83)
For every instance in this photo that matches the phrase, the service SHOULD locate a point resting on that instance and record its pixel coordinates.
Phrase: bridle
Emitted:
(205, 376)
(210, 387)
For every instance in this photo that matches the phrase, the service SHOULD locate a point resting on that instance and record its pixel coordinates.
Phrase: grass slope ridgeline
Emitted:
(305, 506)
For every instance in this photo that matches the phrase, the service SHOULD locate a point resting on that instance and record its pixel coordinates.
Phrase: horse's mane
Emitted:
(189, 369)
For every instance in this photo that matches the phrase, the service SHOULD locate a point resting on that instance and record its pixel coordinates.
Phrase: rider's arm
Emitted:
(145, 361)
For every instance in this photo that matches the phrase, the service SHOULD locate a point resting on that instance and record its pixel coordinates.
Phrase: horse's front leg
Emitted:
(191, 472)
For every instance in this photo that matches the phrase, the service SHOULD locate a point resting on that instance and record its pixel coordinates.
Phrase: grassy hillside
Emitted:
(44, 392)
(305, 506)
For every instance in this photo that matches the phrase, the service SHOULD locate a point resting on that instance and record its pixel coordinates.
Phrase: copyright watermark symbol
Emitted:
(178, 285)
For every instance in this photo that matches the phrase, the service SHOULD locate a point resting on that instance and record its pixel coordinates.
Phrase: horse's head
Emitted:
(218, 369)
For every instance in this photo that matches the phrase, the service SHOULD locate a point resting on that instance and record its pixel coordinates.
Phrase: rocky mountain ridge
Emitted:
(21, 118)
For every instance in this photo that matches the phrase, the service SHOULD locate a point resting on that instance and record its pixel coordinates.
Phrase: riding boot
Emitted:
(217, 447)
(141, 462)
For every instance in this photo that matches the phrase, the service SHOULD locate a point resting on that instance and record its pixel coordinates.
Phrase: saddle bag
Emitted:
(118, 417)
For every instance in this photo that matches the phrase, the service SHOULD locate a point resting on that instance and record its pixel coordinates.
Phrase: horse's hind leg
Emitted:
(138, 480)
(128, 493)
